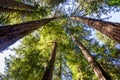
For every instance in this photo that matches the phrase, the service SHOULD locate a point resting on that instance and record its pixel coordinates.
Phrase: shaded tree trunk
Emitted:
(98, 70)
(15, 4)
(11, 33)
(60, 75)
(49, 70)
(9, 10)
(109, 29)
(2, 9)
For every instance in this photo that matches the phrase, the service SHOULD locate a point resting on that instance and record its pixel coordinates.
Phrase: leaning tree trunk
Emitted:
(109, 29)
(49, 70)
(11, 33)
(15, 4)
(98, 70)
(2, 9)
(9, 10)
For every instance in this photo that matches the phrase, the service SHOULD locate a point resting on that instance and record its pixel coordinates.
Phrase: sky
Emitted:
(6, 53)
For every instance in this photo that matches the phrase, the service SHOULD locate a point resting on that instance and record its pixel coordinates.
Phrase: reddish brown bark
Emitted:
(15, 4)
(14, 10)
(49, 70)
(109, 29)
(11, 33)
(9, 10)
(98, 70)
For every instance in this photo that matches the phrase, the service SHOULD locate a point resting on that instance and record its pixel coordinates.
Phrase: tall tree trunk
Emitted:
(11, 33)
(98, 70)
(60, 75)
(109, 29)
(9, 10)
(15, 4)
(2, 9)
(49, 70)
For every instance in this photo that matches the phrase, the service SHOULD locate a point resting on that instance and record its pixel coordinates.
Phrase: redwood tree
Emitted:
(11, 33)
(98, 70)
(2, 9)
(49, 70)
(15, 4)
(109, 29)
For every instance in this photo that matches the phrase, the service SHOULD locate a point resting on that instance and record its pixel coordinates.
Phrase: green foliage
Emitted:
(3, 19)
(52, 3)
(107, 54)
(114, 2)
(30, 62)
(33, 53)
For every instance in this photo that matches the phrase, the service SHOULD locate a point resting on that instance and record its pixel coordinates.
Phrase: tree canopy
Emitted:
(48, 50)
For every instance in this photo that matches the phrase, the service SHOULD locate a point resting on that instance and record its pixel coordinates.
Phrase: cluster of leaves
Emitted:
(114, 2)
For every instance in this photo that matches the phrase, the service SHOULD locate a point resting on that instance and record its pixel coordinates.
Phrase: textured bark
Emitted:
(110, 29)
(15, 4)
(2, 9)
(9, 10)
(11, 33)
(98, 70)
(49, 70)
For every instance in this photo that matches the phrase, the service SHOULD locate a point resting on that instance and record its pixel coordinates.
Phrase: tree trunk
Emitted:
(60, 75)
(9, 10)
(98, 70)
(109, 29)
(15, 4)
(11, 33)
(2, 9)
(49, 70)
